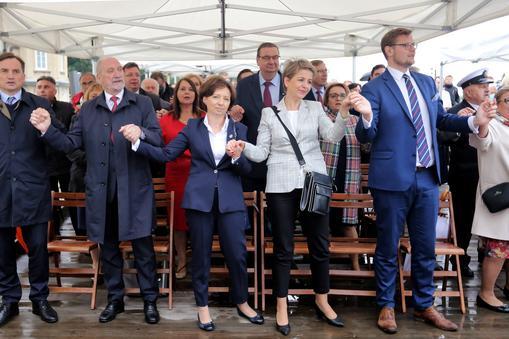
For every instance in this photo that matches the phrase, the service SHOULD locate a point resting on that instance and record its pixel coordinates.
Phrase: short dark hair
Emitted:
(376, 67)
(353, 85)
(158, 75)
(47, 78)
(245, 70)
(266, 45)
(9, 55)
(317, 62)
(390, 37)
(212, 84)
(176, 103)
(131, 65)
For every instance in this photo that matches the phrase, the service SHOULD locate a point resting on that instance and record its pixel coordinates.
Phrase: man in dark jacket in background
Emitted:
(25, 193)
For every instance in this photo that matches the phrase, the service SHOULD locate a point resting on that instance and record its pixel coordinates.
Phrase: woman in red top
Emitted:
(185, 100)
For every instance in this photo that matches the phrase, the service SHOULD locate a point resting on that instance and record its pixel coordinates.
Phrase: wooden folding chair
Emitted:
(250, 199)
(447, 247)
(163, 246)
(75, 244)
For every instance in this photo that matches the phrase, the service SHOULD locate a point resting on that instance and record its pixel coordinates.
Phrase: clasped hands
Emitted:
(40, 119)
(234, 148)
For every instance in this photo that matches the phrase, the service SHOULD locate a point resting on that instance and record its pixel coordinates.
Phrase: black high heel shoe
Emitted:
(257, 319)
(283, 329)
(333, 322)
(207, 326)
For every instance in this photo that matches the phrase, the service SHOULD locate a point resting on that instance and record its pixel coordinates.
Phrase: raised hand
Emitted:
(234, 148)
(236, 113)
(487, 111)
(360, 104)
(40, 119)
(131, 132)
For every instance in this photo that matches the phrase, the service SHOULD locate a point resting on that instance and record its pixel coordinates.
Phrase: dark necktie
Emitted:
(267, 99)
(422, 144)
(319, 96)
(11, 100)
(115, 103)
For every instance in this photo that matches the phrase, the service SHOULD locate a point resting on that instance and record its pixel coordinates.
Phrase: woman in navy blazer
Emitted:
(213, 194)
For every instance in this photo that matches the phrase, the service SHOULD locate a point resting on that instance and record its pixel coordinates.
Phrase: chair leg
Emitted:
(96, 266)
(401, 283)
(262, 268)
(170, 280)
(460, 284)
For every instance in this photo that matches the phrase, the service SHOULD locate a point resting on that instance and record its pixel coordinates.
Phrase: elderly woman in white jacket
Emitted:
(492, 144)
(285, 178)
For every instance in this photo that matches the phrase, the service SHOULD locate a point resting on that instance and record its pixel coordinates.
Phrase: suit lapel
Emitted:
(393, 87)
(204, 135)
(5, 110)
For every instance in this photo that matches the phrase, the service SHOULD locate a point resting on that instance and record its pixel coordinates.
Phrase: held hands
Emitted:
(236, 113)
(487, 111)
(466, 112)
(359, 103)
(234, 148)
(131, 132)
(40, 119)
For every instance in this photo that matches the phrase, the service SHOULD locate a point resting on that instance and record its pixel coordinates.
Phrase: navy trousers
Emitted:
(231, 228)
(418, 208)
(36, 238)
(113, 263)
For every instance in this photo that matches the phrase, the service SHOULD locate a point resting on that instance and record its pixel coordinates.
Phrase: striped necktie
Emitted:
(422, 144)
(11, 100)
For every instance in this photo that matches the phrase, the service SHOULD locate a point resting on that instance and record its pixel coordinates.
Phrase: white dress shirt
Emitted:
(4, 96)
(217, 140)
(109, 102)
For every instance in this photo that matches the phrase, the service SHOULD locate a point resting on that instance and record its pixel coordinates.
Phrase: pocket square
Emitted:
(436, 97)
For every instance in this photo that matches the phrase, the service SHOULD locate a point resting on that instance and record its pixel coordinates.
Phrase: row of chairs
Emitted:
(260, 249)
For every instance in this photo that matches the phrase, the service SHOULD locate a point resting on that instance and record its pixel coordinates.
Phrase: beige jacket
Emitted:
(493, 159)
(284, 174)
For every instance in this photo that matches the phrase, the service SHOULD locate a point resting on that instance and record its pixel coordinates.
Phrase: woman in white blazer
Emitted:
(285, 178)
(492, 144)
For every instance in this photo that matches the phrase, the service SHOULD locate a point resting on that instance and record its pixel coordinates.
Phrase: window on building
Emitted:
(41, 60)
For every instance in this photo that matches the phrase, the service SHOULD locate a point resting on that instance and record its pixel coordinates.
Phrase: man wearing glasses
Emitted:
(262, 89)
(403, 175)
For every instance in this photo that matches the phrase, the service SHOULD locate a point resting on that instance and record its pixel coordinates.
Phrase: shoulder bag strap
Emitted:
(293, 141)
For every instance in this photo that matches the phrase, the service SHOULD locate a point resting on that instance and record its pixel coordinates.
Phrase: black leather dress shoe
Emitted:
(8, 311)
(283, 329)
(110, 312)
(467, 272)
(43, 309)
(500, 309)
(257, 319)
(151, 312)
(506, 292)
(207, 326)
(333, 322)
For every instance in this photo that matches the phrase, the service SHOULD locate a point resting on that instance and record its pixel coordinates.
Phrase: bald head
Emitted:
(151, 86)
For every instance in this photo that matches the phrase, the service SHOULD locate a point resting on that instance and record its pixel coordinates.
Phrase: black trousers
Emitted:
(283, 209)
(36, 238)
(113, 263)
(231, 228)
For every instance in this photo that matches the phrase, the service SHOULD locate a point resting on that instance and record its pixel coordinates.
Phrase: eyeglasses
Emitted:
(407, 45)
(506, 101)
(268, 57)
(335, 96)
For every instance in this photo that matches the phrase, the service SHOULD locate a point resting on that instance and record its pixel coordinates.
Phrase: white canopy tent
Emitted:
(179, 30)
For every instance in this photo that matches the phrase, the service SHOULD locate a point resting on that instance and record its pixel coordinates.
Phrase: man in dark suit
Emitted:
(255, 92)
(24, 195)
(319, 82)
(403, 175)
(120, 197)
(59, 165)
(463, 173)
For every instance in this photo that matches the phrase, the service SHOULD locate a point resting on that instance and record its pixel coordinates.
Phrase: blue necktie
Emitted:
(11, 100)
(422, 144)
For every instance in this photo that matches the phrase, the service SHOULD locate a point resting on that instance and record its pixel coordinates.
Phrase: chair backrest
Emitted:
(347, 200)
(364, 176)
(250, 199)
(65, 199)
(159, 184)
(446, 209)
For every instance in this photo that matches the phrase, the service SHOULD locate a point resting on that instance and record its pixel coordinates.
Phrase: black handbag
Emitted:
(496, 198)
(317, 189)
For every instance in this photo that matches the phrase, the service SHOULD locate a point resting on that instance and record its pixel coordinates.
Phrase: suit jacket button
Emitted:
(105, 124)
(103, 163)
(103, 143)
(215, 171)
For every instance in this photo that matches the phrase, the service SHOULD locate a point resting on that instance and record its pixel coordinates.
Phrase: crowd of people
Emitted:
(212, 141)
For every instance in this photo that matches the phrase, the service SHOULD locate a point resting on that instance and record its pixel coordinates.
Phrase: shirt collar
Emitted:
(397, 74)
(108, 96)
(474, 106)
(275, 80)
(4, 96)
(223, 129)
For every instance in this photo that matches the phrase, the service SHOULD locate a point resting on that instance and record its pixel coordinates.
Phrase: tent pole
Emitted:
(354, 65)
(222, 35)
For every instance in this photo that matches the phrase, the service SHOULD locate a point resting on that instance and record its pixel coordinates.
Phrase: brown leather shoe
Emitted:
(435, 318)
(387, 321)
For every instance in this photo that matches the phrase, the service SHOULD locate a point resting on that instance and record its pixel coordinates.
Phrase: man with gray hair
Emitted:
(120, 197)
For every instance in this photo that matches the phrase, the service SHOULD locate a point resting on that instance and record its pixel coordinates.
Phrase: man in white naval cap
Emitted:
(463, 174)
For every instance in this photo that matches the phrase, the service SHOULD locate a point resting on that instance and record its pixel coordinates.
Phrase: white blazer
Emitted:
(284, 174)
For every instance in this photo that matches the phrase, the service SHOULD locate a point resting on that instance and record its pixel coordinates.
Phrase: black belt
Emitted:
(422, 168)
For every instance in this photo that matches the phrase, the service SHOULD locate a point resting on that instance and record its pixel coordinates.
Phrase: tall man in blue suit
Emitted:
(262, 89)
(403, 175)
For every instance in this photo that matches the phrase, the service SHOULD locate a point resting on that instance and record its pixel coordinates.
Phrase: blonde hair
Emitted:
(293, 66)
(92, 89)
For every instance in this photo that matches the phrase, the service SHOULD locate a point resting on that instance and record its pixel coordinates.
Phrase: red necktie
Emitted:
(267, 99)
(115, 103)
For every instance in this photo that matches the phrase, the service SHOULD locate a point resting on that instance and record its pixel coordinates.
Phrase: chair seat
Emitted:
(335, 247)
(441, 248)
(159, 246)
(71, 246)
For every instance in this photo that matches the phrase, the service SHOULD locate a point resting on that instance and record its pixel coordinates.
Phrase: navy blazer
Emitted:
(392, 133)
(205, 175)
